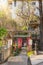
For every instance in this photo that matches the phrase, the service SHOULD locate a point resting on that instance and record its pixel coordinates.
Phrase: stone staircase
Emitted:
(23, 51)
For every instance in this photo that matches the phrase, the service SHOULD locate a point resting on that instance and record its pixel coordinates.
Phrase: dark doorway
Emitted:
(24, 43)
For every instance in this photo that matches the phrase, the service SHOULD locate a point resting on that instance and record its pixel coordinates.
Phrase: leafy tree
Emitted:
(3, 32)
(26, 15)
(6, 22)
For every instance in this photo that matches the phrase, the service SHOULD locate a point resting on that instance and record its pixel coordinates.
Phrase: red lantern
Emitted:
(19, 42)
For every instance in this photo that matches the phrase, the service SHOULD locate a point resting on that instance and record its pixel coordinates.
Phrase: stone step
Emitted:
(23, 48)
(19, 60)
(24, 51)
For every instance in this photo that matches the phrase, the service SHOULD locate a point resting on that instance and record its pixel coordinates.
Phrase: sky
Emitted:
(3, 4)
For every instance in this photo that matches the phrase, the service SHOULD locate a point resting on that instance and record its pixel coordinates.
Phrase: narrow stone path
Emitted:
(22, 59)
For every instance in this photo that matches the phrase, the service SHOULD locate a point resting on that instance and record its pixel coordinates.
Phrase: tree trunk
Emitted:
(41, 26)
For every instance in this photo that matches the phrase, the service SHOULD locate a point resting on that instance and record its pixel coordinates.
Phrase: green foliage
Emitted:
(3, 32)
(17, 52)
(22, 33)
(1, 14)
(34, 35)
(1, 43)
(24, 28)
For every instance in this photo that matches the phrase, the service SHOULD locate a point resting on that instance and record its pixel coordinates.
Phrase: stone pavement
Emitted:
(37, 59)
(18, 60)
(40, 63)
(22, 59)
